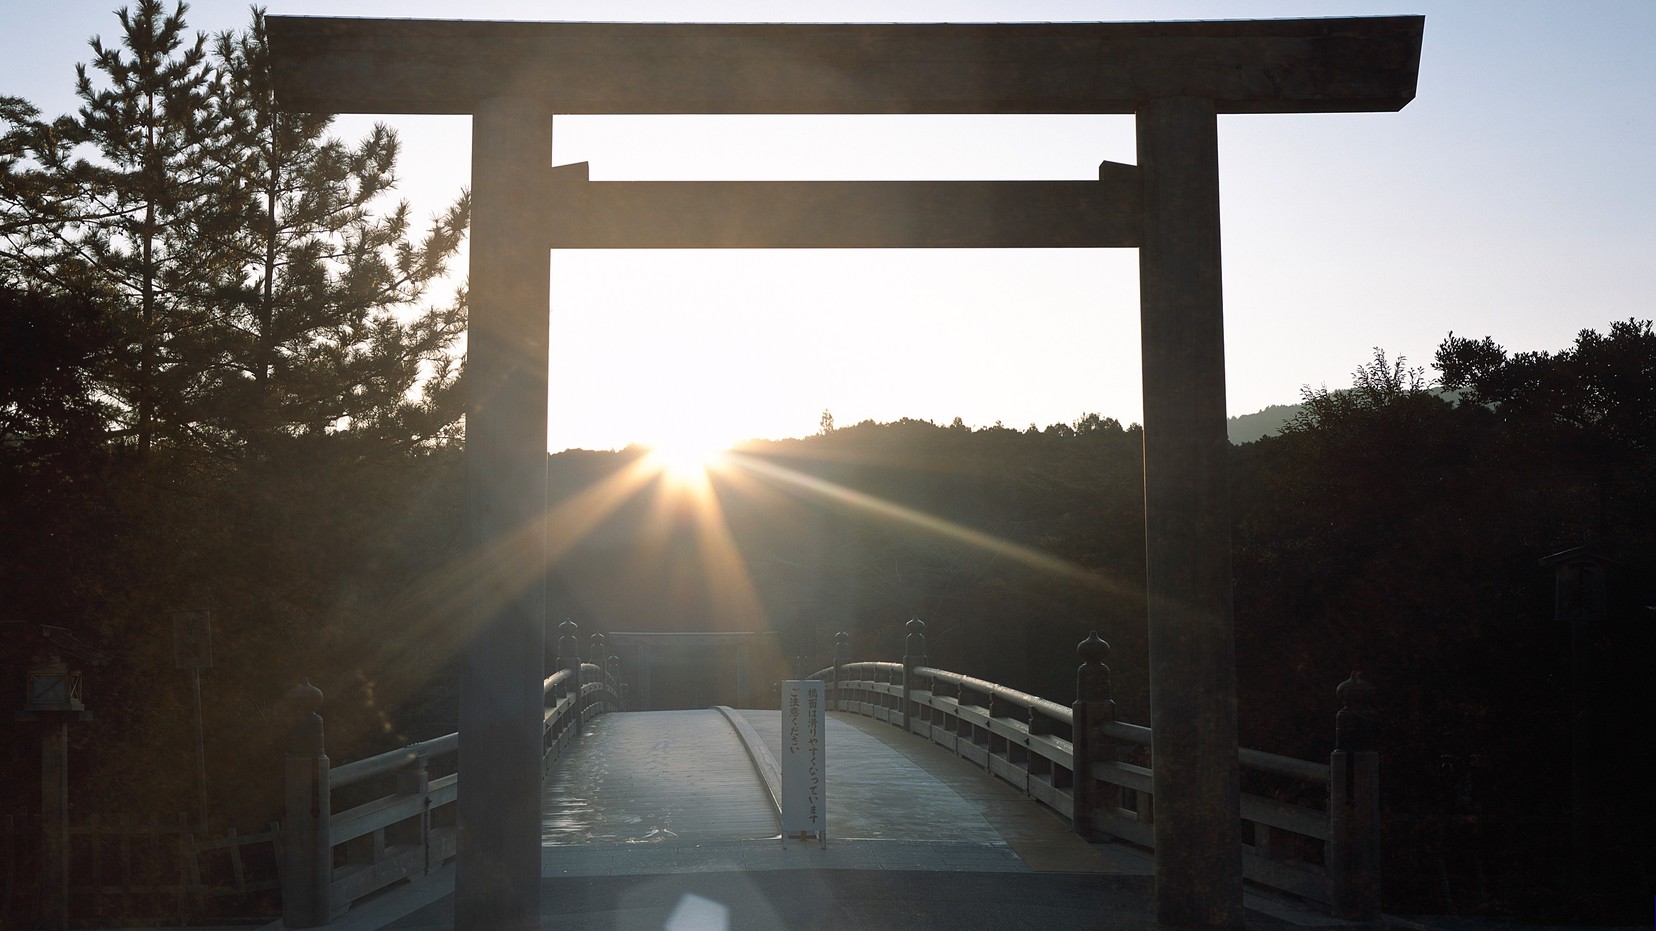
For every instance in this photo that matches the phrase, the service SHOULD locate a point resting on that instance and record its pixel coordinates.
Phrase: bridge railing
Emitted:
(401, 822)
(1097, 771)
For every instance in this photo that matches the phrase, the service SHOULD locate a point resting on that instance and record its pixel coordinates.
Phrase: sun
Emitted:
(686, 459)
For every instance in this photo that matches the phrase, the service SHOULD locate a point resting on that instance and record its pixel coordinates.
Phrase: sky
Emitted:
(1515, 197)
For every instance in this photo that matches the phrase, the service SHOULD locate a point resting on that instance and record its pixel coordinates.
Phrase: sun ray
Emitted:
(686, 493)
(477, 586)
(735, 600)
(1026, 555)
(442, 608)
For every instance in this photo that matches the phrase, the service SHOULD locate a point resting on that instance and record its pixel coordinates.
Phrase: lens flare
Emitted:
(686, 459)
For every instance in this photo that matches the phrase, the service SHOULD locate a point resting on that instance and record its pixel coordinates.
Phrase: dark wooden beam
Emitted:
(584, 214)
(342, 65)
(1187, 523)
(497, 878)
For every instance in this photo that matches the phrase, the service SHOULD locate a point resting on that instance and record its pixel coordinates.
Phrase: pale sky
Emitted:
(1514, 198)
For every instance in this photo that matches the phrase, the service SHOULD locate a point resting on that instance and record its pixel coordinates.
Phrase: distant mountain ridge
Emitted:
(1249, 427)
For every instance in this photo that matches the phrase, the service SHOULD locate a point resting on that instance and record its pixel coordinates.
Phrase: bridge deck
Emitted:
(676, 791)
(639, 780)
(660, 820)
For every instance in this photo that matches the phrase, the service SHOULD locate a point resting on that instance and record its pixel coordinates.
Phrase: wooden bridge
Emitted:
(953, 802)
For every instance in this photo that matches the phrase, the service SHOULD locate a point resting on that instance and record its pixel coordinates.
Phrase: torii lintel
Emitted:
(343, 65)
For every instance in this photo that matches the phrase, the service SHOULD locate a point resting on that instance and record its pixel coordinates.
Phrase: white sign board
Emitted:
(804, 767)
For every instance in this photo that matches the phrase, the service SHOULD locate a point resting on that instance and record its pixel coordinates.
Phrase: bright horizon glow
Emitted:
(685, 458)
(1507, 200)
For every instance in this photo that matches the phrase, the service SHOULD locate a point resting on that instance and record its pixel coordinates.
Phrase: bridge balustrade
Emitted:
(400, 825)
(1096, 771)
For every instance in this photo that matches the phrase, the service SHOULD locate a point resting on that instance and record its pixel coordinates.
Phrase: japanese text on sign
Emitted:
(804, 772)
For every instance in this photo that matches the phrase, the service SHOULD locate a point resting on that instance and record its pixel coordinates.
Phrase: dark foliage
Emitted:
(217, 392)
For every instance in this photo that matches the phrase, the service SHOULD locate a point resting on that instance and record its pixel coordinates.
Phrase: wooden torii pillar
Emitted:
(1176, 77)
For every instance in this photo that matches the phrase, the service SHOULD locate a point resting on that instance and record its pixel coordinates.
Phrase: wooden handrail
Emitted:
(1278, 765)
(554, 680)
(1132, 733)
(1005, 731)
(1025, 700)
(392, 760)
(314, 888)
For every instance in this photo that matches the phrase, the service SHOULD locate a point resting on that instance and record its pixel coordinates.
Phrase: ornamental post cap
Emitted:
(306, 697)
(1094, 649)
(1355, 690)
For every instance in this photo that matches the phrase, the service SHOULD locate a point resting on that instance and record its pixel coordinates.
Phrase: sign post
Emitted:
(193, 650)
(804, 764)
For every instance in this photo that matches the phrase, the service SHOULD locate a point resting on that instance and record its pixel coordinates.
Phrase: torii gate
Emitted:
(1176, 78)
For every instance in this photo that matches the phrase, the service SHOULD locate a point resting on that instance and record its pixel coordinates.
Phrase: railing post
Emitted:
(597, 653)
(1354, 805)
(842, 655)
(612, 670)
(914, 654)
(1093, 711)
(569, 657)
(307, 841)
(415, 780)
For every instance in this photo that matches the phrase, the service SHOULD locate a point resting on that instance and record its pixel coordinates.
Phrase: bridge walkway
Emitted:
(676, 790)
(639, 781)
(660, 820)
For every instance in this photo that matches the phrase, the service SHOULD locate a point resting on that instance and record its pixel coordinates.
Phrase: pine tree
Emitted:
(263, 284)
(20, 180)
(315, 330)
(138, 211)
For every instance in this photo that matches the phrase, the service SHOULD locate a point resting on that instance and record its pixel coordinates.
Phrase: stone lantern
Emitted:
(52, 697)
(53, 686)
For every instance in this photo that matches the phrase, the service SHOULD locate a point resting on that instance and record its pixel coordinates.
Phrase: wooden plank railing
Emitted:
(1097, 771)
(331, 860)
(126, 868)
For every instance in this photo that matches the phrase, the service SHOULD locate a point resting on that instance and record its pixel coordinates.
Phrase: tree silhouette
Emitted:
(315, 327)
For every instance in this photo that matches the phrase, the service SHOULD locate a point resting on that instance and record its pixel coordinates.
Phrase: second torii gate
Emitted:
(1175, 77)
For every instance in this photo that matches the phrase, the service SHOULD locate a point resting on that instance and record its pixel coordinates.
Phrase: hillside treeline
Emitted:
(228, 382)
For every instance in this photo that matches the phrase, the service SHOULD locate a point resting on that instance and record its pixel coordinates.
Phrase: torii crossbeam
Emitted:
(1175, 77)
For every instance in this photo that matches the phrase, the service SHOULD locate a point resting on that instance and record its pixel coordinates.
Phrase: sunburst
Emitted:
(686, 459)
